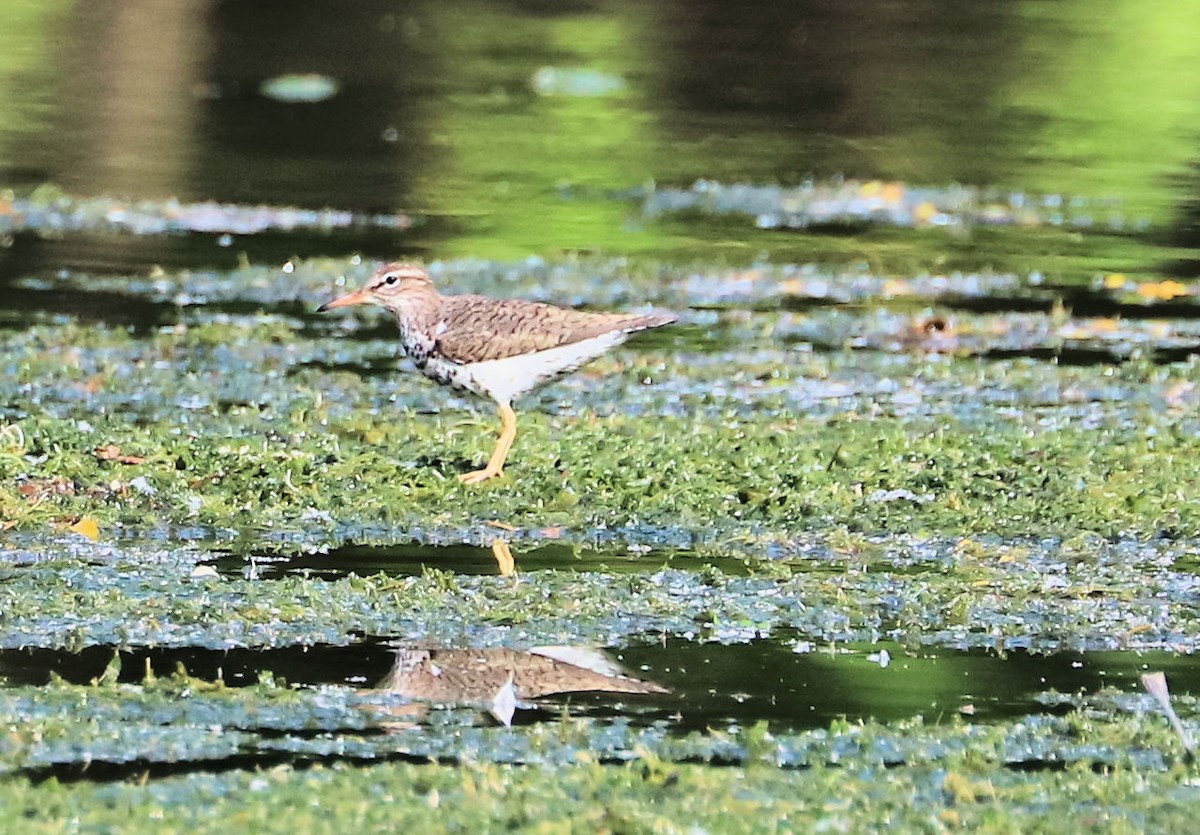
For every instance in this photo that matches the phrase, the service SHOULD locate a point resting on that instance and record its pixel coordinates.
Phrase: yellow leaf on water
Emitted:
(86, 526)
(924, 212)
(1162, 290)
(896, 287)
(793, 287)
(893, 192)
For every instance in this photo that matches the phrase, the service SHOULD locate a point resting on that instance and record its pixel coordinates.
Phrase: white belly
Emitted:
(505, 380)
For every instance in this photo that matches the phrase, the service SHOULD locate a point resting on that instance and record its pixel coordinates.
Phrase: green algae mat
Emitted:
(896, 557)
(885, 534)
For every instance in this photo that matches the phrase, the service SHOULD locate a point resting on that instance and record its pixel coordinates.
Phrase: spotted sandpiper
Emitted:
(495, 348)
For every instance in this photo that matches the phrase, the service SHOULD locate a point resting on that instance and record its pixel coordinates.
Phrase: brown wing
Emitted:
(476, 328)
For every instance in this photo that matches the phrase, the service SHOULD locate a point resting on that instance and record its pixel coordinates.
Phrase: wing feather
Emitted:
(477, 329)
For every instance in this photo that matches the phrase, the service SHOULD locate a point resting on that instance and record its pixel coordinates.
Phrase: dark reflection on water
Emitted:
(839, 79)
(360, 149)
(710, 685)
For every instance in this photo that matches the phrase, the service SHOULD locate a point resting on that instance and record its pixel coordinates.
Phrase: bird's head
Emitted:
(394, 286)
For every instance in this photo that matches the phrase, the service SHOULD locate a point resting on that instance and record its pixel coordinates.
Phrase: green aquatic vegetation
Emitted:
(1113, 597)
(291, 434)
(910, 775)
(758, 483)
(801, 478)
(871, 475)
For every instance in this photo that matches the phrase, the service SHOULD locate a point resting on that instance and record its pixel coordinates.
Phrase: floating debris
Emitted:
(86, 527)
(1145, 292)
(575, 81)
(112, 452)
(852, 202)
(48, 212)
(1156, 686)
(300, 88)
(900, 496)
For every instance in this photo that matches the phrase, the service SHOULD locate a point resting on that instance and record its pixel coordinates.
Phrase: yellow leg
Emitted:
(495, 464)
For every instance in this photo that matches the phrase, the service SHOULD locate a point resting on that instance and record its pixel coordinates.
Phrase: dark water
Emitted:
(710, 685)
(409, 559)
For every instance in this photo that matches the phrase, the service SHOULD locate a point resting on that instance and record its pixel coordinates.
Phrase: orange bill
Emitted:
(357, 297)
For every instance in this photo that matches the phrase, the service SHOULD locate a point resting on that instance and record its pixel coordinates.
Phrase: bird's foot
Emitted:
(480, 475)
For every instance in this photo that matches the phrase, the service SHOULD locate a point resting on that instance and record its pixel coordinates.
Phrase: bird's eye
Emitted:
(391, 279)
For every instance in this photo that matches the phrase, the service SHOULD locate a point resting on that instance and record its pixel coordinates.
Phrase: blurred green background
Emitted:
(530, 127)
